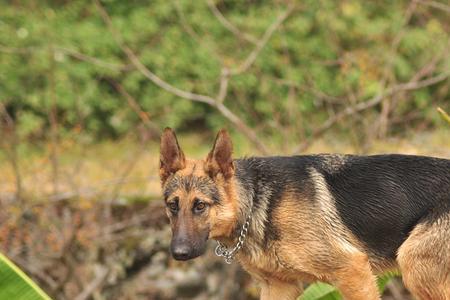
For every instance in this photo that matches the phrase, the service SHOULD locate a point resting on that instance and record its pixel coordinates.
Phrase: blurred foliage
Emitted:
(59, 55)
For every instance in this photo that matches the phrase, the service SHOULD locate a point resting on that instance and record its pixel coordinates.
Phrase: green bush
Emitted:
(61, 55)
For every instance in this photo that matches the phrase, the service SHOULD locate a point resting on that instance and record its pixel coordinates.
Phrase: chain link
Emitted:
(229, 253)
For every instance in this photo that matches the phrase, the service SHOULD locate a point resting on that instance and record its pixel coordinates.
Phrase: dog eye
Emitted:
(199, 207)
(173, 205)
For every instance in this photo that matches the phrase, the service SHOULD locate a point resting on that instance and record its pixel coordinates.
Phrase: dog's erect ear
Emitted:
(220, 159)
(171, 156)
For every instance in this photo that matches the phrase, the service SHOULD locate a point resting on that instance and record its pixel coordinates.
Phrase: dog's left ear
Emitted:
(219, 160)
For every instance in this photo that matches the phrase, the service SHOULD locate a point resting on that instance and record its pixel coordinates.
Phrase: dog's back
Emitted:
(379, 198)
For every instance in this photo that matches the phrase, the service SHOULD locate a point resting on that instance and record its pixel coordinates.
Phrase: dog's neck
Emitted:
(251, 200)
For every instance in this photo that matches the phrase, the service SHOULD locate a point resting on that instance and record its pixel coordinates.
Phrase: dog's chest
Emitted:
(268, 265)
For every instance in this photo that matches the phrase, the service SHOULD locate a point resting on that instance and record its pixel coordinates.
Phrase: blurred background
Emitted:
(87, 86)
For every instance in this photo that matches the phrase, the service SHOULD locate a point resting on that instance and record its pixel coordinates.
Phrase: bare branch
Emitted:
(91, 287)
(188, 28)
(54, 126)
(12, 146)
(14, 50)
(90, 59)
(223, 89)
(164, 85)
(251, 58)
(371, 103)
(68, 51)
(134, 105)
(436, 4)
(241, 125)
(36, 271)
(228, 25)
(144, 70)
(383, 119)
(395, 289)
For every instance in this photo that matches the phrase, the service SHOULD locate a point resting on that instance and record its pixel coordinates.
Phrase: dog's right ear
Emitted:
(171, 156)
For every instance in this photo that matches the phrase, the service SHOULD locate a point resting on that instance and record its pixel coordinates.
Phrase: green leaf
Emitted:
(15, 284)
(324, 291)
(320, 291)
(384, 279)
(444, 115)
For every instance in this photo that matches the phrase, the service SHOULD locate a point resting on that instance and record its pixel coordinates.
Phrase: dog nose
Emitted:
(181, 252)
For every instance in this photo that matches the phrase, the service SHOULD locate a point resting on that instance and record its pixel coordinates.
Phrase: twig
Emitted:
(68, 51)
(91, 59)
(134, 105)
(13, 155)
(396, 292)
(186, 26)
(53, 116)
(371, 103)
(318, 94)
(223, 88)
(262, 42)
(36, 272)
(129, 166)
(386, 104)
(228, 25)
(436, 4)
(102, 273)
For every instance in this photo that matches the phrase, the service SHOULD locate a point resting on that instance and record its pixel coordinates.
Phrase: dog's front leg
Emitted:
(279, 290)
(356, 280)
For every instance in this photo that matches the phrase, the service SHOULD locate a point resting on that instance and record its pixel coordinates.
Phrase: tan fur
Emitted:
(424, 259)
(223, 220)
(280, 290)
(310, 250)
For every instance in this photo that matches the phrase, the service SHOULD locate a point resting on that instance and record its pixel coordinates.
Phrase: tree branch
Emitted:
(68, 51)
(214, 102)
(251, 58)
(228, 25)
(436, 4)
(94, 284)
(371, 103)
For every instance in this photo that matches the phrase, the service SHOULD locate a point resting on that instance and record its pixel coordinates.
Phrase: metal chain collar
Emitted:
(229, 253)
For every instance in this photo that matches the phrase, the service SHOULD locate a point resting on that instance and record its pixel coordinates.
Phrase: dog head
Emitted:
(200, 195)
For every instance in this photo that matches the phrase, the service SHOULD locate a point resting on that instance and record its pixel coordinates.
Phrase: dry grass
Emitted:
(127, 170)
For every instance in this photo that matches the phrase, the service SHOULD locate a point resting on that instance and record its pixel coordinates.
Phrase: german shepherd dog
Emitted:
(340, 219)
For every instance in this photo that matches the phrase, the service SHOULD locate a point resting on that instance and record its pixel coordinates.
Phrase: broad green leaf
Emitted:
(320, 291)
(15, 284)
(324, 291)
